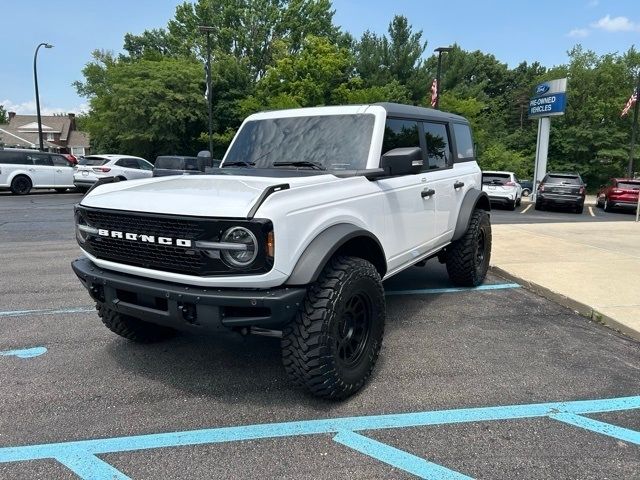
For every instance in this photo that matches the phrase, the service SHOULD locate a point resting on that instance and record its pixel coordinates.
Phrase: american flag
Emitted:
(434, 92)
(630, 103)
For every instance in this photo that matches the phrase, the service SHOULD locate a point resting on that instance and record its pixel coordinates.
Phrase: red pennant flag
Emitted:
(434, 93)
(630, 103)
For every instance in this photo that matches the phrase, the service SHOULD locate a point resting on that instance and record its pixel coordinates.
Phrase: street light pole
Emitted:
(208, 30)
(35, 79)
(440, 50)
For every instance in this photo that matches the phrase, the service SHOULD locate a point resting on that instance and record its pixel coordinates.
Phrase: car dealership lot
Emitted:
(444, 349)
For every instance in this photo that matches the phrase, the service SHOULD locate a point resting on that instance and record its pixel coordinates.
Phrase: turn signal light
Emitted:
(271, 244)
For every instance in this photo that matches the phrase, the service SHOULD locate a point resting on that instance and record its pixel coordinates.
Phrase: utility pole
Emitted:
(208, 30)
(440, 50)
(35, 80)
(634, 129)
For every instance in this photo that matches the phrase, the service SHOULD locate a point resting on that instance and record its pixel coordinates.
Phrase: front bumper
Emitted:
(185, 307)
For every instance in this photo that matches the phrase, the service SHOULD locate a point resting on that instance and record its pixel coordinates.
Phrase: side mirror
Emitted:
(402, 161)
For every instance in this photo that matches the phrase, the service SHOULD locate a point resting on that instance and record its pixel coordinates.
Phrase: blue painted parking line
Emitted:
(423, 291)
(46, 311)
(80, 456)
(24, 353)
(624, 434)
(397, 458)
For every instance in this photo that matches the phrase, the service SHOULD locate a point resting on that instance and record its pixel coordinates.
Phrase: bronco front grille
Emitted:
(169, 258)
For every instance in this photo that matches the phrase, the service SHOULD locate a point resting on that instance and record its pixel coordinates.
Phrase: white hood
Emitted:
(197, 195)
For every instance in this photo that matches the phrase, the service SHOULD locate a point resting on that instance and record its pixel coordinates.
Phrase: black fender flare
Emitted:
(473, 199)
(323, 247)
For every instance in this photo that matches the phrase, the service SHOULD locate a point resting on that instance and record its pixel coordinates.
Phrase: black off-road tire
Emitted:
(467, 258)
(21, 185)
(315, 344)
(132, 328)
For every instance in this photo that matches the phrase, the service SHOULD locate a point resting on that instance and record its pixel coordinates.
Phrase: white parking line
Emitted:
(591, 212)
(526, 208)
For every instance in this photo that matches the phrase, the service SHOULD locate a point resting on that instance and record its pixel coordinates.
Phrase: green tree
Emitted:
(3, 115)
(147, 107)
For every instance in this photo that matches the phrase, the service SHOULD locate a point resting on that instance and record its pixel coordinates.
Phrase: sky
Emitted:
(513, 31)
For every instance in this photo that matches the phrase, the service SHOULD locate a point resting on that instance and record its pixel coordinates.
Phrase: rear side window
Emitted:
(437, 140)
(629, 185)
(400, 134)
(41, 159)
(8, 157)
(495, 178)
(93, 161)
(566, 179)
(128, 163)
(464, 142)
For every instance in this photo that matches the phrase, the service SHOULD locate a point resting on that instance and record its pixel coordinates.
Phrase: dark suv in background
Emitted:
(561, 190)
(180, 165)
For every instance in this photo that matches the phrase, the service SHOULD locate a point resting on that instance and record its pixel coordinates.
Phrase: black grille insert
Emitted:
(170, 258)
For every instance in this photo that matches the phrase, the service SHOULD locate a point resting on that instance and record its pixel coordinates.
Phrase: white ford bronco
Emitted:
(292, 236)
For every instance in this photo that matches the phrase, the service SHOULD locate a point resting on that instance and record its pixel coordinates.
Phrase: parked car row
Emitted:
(22, 170)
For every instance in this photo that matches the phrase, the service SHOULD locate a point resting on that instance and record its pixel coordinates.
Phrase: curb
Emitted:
(578, 307)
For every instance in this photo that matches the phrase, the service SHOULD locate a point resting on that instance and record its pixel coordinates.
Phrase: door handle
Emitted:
(427, 192)
(458, 184)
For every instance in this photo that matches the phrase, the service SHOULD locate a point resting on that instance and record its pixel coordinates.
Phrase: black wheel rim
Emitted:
(22, 185)
(480, 248)
(353, 330)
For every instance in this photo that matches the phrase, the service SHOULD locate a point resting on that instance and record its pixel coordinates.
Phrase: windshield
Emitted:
(177, 163)
(333, 142)
(93, 161)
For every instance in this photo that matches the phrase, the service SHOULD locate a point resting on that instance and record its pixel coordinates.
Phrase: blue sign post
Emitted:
(549, 99)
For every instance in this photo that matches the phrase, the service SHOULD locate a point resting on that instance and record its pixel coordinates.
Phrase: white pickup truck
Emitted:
(310, 211)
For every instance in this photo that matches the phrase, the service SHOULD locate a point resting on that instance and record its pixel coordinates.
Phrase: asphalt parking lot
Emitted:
(563, 392)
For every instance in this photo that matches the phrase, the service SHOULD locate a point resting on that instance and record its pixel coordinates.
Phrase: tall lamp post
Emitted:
(35, 79)
(208, 30)
(440, 50)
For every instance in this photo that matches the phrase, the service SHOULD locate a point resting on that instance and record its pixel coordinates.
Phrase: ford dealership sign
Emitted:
(550, 99)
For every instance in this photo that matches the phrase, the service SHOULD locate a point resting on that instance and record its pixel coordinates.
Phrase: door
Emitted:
(441, 176)
(409, 206)
(63, 171)
(42, 171)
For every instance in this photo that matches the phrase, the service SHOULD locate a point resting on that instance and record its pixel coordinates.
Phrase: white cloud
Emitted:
(616, 24)
(29, 108)
(578, 33)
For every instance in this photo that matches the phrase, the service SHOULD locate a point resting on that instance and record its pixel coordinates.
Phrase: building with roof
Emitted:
(59, 133)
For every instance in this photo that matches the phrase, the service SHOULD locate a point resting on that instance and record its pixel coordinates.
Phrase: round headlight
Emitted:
(242, 257)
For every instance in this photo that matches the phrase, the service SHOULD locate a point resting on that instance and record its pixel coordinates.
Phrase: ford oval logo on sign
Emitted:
(542, 89)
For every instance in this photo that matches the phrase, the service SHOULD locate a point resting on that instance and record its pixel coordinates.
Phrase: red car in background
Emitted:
(619, 193)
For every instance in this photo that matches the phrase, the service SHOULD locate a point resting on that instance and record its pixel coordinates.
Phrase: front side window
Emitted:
(143, 165)
(59, 161)
(327, 142)
(437, 140)
(464, 143)
(400, 134)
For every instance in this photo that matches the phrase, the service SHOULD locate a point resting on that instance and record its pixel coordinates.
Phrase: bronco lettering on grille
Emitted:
(138, 237)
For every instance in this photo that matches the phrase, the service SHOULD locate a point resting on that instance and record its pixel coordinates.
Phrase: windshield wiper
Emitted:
(300, 163)
(238, 164)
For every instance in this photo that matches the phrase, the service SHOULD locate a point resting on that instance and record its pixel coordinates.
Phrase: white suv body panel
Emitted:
(86, 175)
(408, 225)
(41, 176)
(506, 192)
